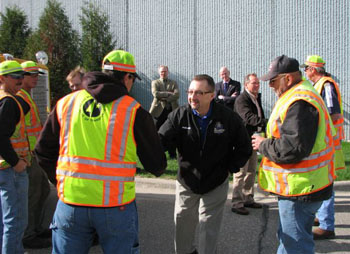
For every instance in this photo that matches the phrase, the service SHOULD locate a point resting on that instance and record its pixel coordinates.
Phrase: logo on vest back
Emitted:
(92, 109)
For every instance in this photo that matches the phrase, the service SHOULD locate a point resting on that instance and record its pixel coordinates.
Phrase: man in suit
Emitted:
(227, 90)
(248, 106)
(166, 95)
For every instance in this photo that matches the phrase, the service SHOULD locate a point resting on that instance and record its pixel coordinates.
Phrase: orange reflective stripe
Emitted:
(64, 116)
(123, 67)
(281, 183)
(118, 127)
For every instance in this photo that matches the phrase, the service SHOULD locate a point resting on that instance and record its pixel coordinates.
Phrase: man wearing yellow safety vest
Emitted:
(298, 154)
(330, 92)
(39, 188)
(95, 135)
(14, 159)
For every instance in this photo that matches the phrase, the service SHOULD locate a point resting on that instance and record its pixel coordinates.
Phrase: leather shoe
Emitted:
(316, 222)
(253, 205)
(321, 234)
(36, 243)
(240, 210)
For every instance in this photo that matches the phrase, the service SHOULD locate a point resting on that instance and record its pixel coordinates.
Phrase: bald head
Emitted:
(225, 74)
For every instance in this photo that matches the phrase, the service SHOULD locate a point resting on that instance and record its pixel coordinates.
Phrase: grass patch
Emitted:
(171, 171)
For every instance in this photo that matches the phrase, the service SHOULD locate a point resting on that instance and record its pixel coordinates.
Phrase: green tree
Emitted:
(60, 41)
(97, 39)
(14, 31)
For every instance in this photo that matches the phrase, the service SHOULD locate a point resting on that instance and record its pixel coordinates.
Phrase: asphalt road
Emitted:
(252, 234)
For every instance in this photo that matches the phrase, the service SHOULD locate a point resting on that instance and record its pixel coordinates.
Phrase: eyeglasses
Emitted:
(307, 68)
(277, 78)
(33, 75)
(197, 93)
(15, 76)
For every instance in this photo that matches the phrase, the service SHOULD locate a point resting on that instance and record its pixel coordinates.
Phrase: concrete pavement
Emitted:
(252, 234)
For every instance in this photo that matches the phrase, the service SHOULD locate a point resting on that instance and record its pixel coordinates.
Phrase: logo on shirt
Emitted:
(219, 128)
(92, 109)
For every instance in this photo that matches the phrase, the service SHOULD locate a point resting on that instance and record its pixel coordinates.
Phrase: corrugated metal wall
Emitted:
(200, 36)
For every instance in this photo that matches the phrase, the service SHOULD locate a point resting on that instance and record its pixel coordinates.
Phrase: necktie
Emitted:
(225, 88)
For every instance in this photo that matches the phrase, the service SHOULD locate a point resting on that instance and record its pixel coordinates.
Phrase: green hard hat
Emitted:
(31, 67)
(313, 61)
(120, 60)
(10, 66)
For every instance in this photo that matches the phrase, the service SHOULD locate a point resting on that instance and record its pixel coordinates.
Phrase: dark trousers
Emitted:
(158, 121)
(39, 190)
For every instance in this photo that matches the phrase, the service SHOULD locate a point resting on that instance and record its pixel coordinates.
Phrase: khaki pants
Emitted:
(206, 211)
(243, 183)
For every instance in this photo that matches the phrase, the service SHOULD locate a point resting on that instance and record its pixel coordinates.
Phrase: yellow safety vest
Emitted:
(19, 139)
(97, 156)
(314, 172)
(339, 160)
(32, 119)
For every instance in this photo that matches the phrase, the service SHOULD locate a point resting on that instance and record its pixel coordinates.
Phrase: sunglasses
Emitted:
(34, 75)
(15, 76)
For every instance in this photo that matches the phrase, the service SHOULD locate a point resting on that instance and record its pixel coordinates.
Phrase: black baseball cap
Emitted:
(281, 64)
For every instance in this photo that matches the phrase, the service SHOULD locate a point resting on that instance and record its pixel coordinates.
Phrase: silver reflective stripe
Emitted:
(21, 149)
(284, 177)
(317, 155)
(68, 119)
(338, 147)
(18, 140)
(33, 126)
(34, 133)
(107, 191)
(330, 177)
(9, 71)
(278, 186)
(92, 162)
(110, 130)
(61, 184)
(121, 192)
(336, 136)
(126, 130)
(297, 170)
(94, 176)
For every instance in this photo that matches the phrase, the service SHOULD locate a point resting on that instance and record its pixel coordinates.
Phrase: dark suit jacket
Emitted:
(246, 109)
(233, 87)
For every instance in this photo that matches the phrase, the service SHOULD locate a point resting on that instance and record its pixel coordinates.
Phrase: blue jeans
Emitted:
(295, 230)
(326, 214)
(73, 229)
(14, 209)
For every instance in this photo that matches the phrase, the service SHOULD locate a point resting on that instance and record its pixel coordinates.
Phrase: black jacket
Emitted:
(225, 149)
(104, 90)
(247, 110)
(233, 87)
(9, 117)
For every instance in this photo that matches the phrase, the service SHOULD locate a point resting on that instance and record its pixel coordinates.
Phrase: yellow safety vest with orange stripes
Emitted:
(97, 156)
(32, 119)
(339, 161)
(19, 140)
(314, 172)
